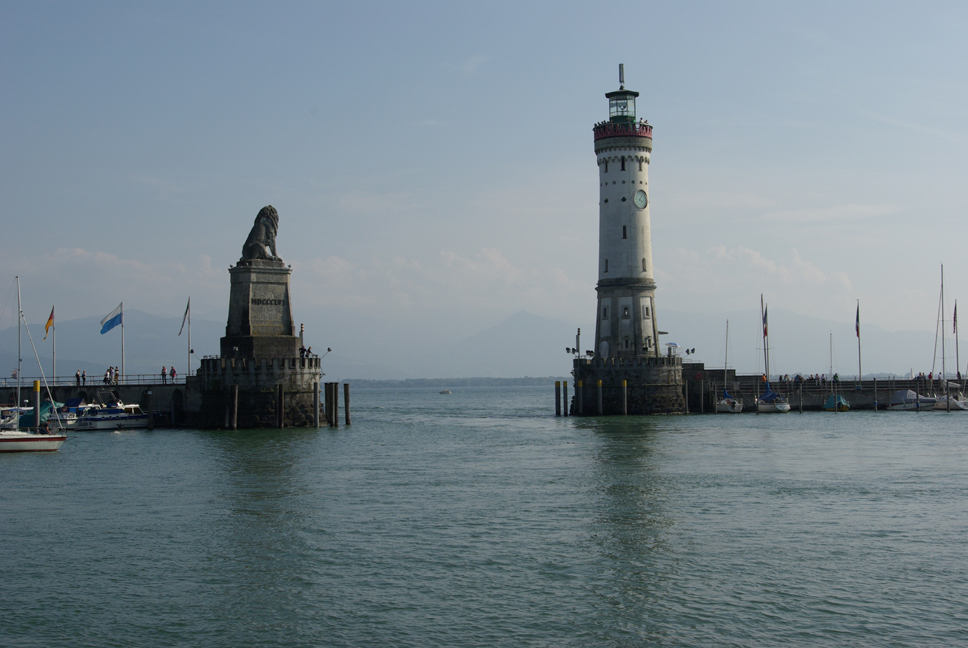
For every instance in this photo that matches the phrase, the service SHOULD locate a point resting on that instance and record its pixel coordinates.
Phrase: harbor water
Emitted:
(478, 518)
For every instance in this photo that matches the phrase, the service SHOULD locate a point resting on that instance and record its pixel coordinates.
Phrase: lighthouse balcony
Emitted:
(622, 129)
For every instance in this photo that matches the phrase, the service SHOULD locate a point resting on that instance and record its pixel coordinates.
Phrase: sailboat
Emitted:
(946, 402)
(835, 402)
(727, 404)
(14, 439)
(770, 402)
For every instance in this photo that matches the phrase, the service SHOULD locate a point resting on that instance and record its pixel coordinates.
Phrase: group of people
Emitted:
(112, 376)
(80, 377)
(170, 373)
(305, 352)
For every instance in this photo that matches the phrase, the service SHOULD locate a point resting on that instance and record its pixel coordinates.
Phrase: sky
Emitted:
(433, 165)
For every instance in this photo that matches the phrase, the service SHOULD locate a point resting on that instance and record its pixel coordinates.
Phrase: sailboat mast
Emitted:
(766, 340)
(944, 379)
(20, 316)
(860, 374)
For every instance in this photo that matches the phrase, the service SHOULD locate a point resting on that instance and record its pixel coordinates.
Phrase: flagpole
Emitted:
(189, 336)
(122, 342)
(860, 374)
(53, 357)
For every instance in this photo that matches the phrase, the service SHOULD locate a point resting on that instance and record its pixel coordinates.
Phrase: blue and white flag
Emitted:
(112, 319)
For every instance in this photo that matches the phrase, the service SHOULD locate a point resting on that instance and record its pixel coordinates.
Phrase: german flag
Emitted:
(50, 322)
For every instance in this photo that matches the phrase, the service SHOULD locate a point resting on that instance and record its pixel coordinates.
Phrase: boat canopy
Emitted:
(770, 396)
(27, 420)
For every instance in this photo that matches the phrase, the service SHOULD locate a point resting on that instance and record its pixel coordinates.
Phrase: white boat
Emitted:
(770, 402)
(727, 404)
(13, 439)
(23, 441)
(951, 403)
(111, 414)
(908, 400)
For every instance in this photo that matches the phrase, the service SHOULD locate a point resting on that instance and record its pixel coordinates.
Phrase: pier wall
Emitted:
(704, 387)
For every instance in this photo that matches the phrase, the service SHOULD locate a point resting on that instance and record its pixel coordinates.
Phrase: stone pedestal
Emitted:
(259, 379)
(260, 313)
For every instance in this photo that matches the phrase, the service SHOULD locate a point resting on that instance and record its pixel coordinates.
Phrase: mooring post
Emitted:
(557, 398)
(151, 412)
(346, 401)
(336, 404)
(702, 396)
(625, 398)
(875, 394)
(599, 397)
(37, 407)
(578, 396)
(234, 417)
(282, 407)
(316, 404)
(685, 393)
(564, 395)
(801, 397)
(328, 407)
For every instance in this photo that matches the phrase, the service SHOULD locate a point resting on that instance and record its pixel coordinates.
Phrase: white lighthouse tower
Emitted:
(626, 325)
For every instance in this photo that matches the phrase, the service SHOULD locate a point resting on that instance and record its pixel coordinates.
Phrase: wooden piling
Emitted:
(564, 396)
(599, 397)
(328, 409)
(578, 399)
(335, 388)
(557, 398)
(234, 413)
(346, 401)
(316, 404)
(625, 398)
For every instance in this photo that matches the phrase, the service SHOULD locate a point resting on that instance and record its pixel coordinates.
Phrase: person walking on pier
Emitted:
(84, 377)
(171, 373)
(77, 377)
(164, 375)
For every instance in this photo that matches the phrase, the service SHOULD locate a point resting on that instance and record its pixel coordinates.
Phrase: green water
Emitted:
(478, 519)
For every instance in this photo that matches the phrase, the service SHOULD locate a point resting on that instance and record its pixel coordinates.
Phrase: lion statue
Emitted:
(261, 243)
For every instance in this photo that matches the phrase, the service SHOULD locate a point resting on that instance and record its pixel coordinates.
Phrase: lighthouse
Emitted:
(626, 325)
(625, 373)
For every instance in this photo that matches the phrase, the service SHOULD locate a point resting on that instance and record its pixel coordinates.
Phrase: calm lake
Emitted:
(479, 519)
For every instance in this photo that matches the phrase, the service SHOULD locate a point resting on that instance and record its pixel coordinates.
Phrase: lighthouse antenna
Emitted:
(621, 75)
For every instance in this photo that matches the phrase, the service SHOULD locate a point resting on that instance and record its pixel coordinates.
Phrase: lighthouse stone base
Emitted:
(653, 386)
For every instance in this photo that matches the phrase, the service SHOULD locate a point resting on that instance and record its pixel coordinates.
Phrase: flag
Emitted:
(112, 319)
(954, 318)
(188, 309)
(857, 323)
(50, 322)
(764, 320)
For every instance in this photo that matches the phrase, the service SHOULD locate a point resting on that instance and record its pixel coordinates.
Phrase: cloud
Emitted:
(839, 213)
(470, 65)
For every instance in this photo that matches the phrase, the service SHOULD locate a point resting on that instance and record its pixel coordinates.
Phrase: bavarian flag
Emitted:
(112, 319)
(50, 322)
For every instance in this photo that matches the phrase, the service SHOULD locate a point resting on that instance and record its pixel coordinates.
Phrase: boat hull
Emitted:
(776, 407)
(729, 406)
(25, 442)
(112, 422)
(957, 405)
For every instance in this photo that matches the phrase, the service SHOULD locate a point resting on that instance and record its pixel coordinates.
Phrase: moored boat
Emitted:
(111, 414)
(836, 403)
(22, 441)
(908, 400)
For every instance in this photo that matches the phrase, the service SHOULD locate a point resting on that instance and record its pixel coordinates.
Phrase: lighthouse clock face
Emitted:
(641, 199)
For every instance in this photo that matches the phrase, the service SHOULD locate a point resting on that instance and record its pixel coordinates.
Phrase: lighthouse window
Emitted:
(623, 164)
(606, 265)
(643, 265)
(604, 312)
(645, 312)
(626, 343)
(625, 312)
(624, 232)
(640, 167)
(606, 166)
